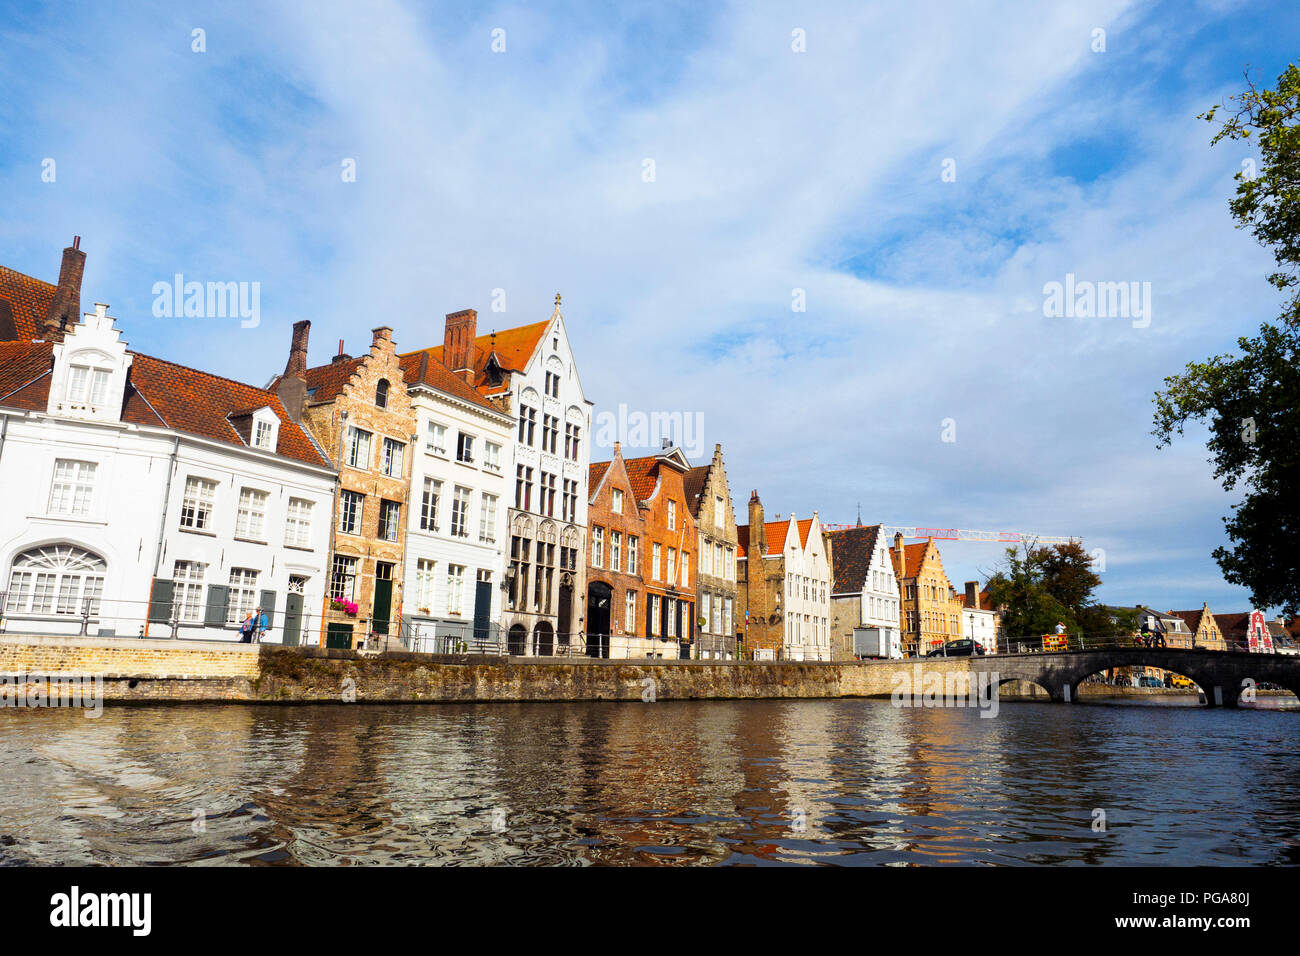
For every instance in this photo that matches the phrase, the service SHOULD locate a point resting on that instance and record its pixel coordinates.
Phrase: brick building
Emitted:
(667, 548)
(616, 595)
(708, 496)
(931, 613)
(359, 411)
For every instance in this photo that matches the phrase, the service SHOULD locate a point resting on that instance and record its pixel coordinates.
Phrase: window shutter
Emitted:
(160, 600)
(268, 608)
(218, 601)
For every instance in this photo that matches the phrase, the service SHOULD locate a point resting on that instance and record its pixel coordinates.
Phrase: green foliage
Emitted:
(1038, 586)
(1251, 402)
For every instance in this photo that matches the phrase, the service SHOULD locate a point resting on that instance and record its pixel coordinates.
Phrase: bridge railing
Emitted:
(1092, 641)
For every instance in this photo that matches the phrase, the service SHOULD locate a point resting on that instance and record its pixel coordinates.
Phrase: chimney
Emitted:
(342, 356)
(757, 533)
(293, 383)
(381, 335)
(458, 352)
(973, 594)
(65, 308)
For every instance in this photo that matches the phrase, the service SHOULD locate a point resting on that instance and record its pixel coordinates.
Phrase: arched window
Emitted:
(381, 393)
(55, 579)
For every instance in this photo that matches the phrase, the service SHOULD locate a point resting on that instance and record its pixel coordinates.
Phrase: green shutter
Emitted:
(214, 614)
(268, 608)
(160, 600)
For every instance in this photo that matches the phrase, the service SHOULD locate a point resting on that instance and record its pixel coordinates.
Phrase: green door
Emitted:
(293, 619)
(338, 635)
(383, 606)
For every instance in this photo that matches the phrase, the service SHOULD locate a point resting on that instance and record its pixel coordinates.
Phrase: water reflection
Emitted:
(666, 784)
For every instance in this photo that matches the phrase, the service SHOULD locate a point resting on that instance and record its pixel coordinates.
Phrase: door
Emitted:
(482, 609)
(338, 635)
(383, 606)
(292, 618)
(565, 619)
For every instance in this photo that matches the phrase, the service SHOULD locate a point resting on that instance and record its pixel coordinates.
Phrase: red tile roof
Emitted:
(643, 474)
(324, 382)
(419, 368)
(913, 555)
(512, 347)
(693, 483)
(29, 299)
(596, 471)
(159, 394)
(775, 532)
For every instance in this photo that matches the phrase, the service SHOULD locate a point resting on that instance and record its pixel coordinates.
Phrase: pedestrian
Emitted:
(246, 629)
(262, 624)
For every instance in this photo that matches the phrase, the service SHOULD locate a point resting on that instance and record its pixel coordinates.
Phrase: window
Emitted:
(263, 433)
(188, 594)
(429, 505)
(571, 436)
(629, 618)
(718, 506)
(670, 574)
(297, 523)
(686, 569)
(527, 424)
(550, 432)
(424, 570)
(704, 608)
(519, 565)
(546, 496)
(569, 502)
(196, 507)
(552, 387)
(358, 448)
(726, 618)
(631, 554)
(616, 502)
(598, 547)
(460, 513)
(350, 506)
(655, 556)
(87, 386)
(435, 438)
(343, 577)
(487, 524)
(455, 588)
(491, 456)
(465, 448)
(250, 521)
(390, 516)
(523, 488)
(243, 595)
(615, 550)
(55, 579)
(72, 487)
(672, 516)
(652, 614)
(381, 393)
(671, 609)
(394, 451)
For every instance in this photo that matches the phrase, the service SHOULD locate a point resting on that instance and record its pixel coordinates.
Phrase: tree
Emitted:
(1038, 586)
(1251, 402)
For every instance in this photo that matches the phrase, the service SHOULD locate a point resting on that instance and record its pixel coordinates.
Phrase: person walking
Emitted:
(246, 629)
(262, 625)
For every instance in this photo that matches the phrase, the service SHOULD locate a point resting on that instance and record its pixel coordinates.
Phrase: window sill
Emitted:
(198, 531)
(300, 547)
(249, 540)
(68, 519)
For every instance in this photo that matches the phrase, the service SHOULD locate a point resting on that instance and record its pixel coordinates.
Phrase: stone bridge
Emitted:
(1220, 674)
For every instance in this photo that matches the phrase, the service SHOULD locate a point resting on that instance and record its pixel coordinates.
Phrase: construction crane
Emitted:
(961, 534)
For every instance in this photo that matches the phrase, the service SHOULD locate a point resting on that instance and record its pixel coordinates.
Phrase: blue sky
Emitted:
(775, 170)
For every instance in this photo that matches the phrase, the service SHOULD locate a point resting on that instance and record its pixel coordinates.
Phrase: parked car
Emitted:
(963, 648)
(1180, 681)
(1150, 682)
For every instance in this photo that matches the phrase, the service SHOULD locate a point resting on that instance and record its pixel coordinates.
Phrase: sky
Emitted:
(823, 231)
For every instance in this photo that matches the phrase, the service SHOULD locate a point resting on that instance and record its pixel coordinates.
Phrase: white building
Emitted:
(807, 598)
(865, 598)
(145, 496)
(530, 374)
(979, 620)
(456, 527)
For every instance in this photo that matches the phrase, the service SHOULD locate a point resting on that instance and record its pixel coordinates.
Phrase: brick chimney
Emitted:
(458, 352)
(65, 308)
(973, 594)
(293, 384)
(757, 533)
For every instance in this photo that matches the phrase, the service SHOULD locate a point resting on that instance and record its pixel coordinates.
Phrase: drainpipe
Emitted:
(4, 430)
(167, 494)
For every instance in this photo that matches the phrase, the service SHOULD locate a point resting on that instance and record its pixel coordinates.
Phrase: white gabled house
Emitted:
(142, 496)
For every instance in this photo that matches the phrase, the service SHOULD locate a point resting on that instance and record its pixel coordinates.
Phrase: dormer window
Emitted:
(88, 379)
(381, 394)
(264, 433)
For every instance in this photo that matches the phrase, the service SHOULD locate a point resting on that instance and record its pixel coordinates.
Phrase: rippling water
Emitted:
(671, 783)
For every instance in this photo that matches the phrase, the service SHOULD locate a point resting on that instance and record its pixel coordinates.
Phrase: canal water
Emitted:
(849, 782)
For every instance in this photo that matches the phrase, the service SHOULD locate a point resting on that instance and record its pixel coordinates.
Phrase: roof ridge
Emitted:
(52, 285)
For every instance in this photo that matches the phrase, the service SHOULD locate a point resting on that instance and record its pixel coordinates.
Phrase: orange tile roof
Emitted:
(419, 368)
(325, 382)
(160, 394)
(29, 299)
(513, 348)
(913, 555)
(596, 471)
(775, 532)
(643, 475)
